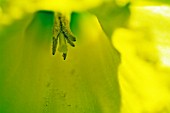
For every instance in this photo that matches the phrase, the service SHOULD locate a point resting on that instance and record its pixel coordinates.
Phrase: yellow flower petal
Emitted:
(145, 67)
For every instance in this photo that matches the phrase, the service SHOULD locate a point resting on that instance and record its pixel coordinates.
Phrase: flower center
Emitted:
(62, 34)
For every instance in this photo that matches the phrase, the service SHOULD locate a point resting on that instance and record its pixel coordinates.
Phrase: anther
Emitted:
(63, 34)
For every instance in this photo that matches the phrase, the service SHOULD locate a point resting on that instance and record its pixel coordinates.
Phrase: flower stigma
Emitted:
(62, 35)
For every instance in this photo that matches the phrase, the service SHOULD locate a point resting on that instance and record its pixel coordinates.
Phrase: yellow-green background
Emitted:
(96, 77)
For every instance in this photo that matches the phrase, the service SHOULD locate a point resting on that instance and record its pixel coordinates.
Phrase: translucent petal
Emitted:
(34, 81)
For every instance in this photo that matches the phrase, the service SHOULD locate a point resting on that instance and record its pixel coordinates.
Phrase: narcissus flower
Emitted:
(34, 81)
(34, 78)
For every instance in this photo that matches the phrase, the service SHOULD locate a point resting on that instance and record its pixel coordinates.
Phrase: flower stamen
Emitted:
(63, 34)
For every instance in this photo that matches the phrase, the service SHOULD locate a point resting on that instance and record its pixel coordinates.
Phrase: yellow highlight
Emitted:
(16, 9)
(145, 53)
(165, 56)
(142, 87)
